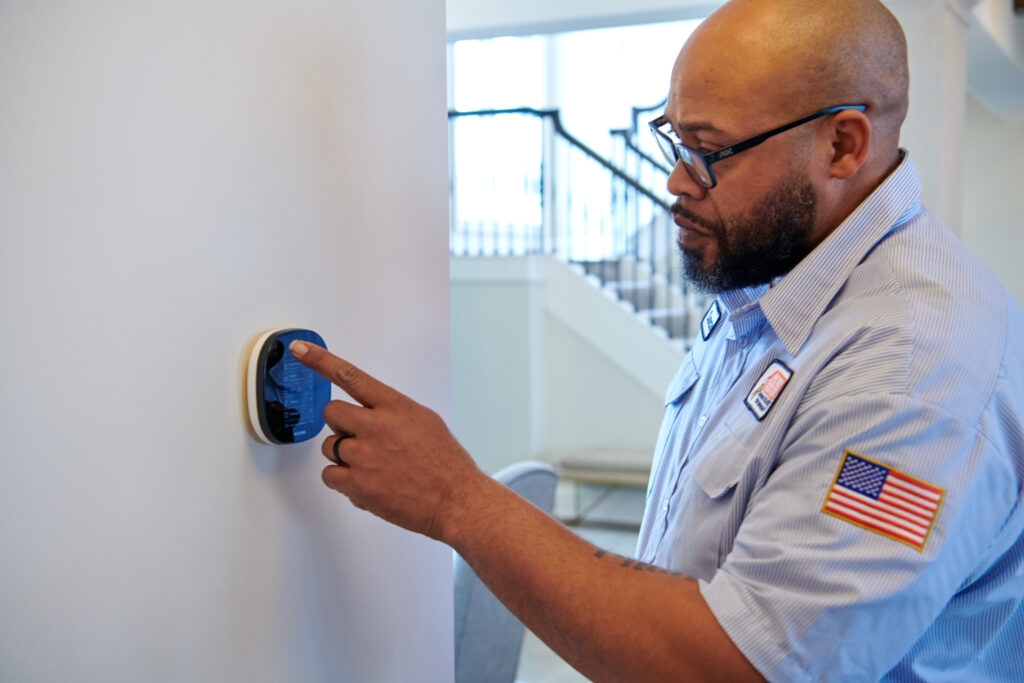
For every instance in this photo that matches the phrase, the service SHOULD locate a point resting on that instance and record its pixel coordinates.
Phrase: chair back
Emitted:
(488, 638)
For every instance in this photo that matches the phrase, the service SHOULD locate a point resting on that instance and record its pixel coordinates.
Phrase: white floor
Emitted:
(537, 663)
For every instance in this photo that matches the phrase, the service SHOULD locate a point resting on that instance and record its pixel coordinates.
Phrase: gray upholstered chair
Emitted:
(488, 637)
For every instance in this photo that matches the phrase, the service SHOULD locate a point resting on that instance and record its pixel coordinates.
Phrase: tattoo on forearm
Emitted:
(638, 566)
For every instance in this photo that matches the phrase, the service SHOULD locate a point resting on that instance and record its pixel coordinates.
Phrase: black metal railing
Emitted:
(635, 151)
(522, 184)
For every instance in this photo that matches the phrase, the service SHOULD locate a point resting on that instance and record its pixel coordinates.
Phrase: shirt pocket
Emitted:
(710, 508)
(720, 470)
(684, 381)
(686, 377)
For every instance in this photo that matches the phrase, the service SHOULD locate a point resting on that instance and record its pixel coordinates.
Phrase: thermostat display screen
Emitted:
(292, 397)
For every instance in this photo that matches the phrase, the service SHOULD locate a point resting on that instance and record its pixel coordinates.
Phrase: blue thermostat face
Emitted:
(290, 397)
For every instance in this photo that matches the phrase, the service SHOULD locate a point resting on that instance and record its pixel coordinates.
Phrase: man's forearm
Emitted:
(610, 617)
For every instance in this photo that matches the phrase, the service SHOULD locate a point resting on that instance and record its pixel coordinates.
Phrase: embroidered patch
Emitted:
(710, 321)
(884, 500)
(762, 397)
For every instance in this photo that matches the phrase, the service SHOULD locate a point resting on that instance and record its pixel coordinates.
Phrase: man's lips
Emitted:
(688, 230)
(689, 226)
(687, 222)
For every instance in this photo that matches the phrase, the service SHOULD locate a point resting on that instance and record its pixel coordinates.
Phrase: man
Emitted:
(837, 490)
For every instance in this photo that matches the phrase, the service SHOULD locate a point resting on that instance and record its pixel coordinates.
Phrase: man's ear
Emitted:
(849, 137)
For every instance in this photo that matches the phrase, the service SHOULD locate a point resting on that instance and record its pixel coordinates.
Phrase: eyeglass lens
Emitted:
(676, 152)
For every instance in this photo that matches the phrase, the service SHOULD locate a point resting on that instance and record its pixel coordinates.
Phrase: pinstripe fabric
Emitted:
(905, 350)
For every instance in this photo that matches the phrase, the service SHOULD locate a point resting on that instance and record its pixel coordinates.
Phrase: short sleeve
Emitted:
(808, 595)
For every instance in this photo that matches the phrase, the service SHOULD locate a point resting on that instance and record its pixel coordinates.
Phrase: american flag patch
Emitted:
(883, 500)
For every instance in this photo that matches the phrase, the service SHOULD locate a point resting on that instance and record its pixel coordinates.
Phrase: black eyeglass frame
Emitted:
(688, 155)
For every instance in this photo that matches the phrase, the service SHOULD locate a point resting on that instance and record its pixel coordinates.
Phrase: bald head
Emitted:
(791, 57)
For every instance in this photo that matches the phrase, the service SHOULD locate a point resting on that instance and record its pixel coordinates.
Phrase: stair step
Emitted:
(606, 271)
(640, 294)
(674, 321)
(628, 285)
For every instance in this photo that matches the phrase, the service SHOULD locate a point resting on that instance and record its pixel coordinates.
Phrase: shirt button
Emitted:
(703, 419)
(664, 505)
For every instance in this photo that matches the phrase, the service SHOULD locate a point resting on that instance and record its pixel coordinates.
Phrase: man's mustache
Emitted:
(678, 210)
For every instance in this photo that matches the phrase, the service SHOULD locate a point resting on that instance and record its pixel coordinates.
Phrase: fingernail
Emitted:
(298, 348)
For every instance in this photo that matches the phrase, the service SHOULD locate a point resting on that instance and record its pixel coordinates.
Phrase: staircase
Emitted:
(522, 185)
(654, 299)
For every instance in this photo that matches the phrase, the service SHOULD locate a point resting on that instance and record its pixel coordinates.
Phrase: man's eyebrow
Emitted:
(697, 127)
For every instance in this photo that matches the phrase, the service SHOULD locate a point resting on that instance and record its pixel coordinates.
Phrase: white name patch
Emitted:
(710, 321)
(762, 397)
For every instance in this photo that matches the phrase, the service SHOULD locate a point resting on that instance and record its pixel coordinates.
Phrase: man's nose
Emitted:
(681, 183)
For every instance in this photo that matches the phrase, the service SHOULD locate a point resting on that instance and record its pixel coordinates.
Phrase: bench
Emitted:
(603, 467)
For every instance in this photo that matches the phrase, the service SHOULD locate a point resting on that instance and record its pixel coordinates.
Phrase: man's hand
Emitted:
(397, 458)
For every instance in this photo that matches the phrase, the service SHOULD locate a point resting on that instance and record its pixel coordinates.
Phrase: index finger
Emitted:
(356, 383)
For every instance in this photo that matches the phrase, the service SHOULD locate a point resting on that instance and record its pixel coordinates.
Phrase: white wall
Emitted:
(994, 209)
(545, 364)
(175, 178)
(936, 33)
(593, 403)
(498, 360)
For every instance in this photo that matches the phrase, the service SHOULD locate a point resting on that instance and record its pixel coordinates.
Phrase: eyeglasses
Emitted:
(699, 165)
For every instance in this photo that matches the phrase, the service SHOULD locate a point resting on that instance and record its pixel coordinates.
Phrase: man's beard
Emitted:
(758, 246)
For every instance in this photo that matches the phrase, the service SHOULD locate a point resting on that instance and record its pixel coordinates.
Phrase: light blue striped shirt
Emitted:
(891, 342)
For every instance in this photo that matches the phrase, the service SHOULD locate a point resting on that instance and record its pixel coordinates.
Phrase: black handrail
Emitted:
(556, 121)
(630, 145)
(637, 111)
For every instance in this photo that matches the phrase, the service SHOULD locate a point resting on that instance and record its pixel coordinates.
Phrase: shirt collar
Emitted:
(736, 301)
(741, 306)
(795, 303)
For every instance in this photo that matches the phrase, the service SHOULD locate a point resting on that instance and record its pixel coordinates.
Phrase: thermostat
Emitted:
(285, 399)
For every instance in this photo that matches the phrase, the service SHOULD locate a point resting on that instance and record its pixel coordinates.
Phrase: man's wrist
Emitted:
(466, 507)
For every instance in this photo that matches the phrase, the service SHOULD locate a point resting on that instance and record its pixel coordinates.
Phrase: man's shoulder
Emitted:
(921, 304)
